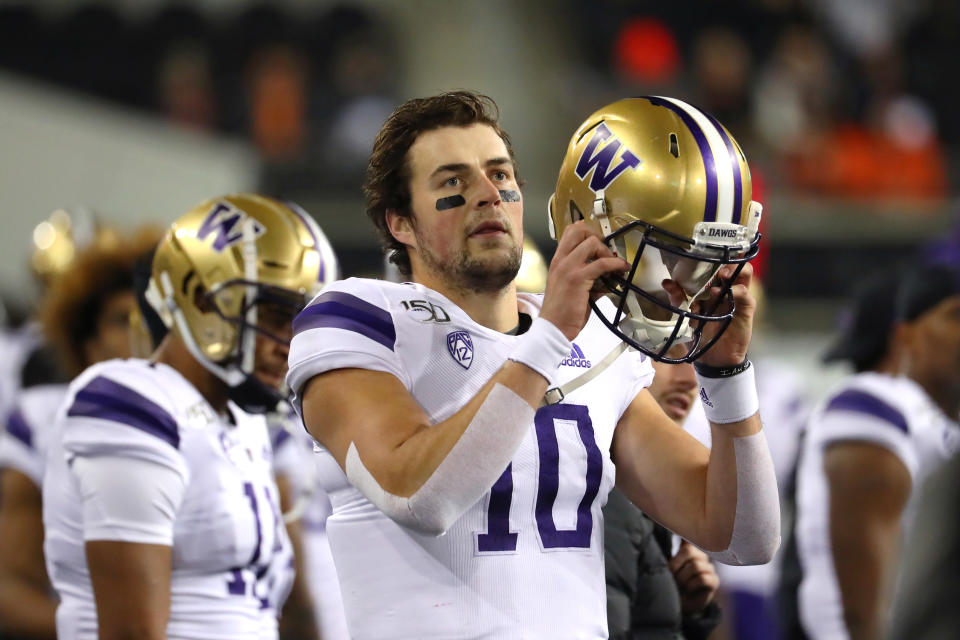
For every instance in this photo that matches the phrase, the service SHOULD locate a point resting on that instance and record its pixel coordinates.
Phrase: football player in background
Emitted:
(25, 360)
(867, 449)
(191, 543)
(652, 591)
(468, 511)
(294, 474)
(84, 317)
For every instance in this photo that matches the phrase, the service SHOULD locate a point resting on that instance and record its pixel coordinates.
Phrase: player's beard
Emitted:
(482, 274)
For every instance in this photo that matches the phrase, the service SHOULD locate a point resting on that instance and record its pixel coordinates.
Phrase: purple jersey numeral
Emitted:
(549, 479)
(252, 496)
(498, 537)
(237, 585)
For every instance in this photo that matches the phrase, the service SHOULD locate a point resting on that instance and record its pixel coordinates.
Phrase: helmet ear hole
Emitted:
(202, 301)
(674, 146)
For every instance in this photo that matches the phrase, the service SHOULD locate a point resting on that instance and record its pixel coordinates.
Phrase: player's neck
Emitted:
(495, 309)
(173, 353)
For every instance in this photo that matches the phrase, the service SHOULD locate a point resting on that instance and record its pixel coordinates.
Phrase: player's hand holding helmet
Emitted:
(230, 269)
(668, 189)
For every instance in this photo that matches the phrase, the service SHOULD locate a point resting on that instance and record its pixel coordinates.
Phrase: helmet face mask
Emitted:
(667, 189)
(232, 269)
(645, 316)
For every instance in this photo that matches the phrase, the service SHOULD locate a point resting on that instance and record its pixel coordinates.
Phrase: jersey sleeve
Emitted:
(140, 509)
(639, 376)
(29, 428)
(859, 415)
(18, 448)
(349, 325)
(122, 411)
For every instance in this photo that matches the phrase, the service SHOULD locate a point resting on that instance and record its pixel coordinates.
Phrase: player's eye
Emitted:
(452, 182)
(500, 175)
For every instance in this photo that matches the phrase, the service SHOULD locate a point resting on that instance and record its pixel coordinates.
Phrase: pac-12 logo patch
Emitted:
(460, 346)
(600, 161)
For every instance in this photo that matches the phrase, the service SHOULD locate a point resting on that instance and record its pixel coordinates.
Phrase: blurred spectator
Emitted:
(277, 85)
(646, 53)
(721, 65)
(185, 88)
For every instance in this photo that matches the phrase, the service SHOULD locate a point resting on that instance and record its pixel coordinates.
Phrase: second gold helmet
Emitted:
(221, 260)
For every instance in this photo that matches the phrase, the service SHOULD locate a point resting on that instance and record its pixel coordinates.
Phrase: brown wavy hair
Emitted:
(71, 309)
(387, 184)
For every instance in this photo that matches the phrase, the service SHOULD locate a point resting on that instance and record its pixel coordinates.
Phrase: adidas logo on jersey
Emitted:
(704, 398)
(576, 359)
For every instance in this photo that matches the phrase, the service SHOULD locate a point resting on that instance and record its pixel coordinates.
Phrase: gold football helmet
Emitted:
(57, 240)
(222, 260)
(532, 276)
(668, 189)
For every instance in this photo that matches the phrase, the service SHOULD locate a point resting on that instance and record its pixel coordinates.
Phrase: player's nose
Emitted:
(487, 193)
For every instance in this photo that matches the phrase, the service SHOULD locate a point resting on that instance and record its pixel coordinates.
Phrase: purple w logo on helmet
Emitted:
(600, 161)
(227, 222)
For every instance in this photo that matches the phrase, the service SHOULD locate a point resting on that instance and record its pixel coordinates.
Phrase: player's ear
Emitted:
(401, 227)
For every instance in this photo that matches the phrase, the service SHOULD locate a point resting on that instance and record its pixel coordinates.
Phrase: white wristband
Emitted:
(729, 399)
(542, 348)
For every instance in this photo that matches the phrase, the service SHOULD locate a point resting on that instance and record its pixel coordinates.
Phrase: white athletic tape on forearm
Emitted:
(727, 400)
(756, 525)
(542, 348)
(474, 463)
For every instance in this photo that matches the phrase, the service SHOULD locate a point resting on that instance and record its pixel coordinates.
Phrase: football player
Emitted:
(84, 316)
(24, 358)
(190, 543)
(652, 591)
(870, 444)
(472, 506)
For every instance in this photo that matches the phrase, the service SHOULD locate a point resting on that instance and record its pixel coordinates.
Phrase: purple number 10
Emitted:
(498, 537)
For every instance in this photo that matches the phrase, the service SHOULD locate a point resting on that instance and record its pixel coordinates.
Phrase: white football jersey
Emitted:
(525, 561)
(29, 430)
(892, 412)
(231, 555)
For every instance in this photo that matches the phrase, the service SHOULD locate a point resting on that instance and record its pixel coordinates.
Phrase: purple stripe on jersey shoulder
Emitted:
(863, 402)
(108, 400)
(710, 207)
(19, 429)
(735, 161)
(339, 310)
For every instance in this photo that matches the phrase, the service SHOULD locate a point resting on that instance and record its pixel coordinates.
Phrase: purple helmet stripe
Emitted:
(105, 399)
(863, 402)
(735, 161)
(710, 207)
(19, 429)
(339, 310)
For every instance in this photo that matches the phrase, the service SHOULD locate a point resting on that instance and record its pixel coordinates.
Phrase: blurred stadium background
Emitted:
(137, 109)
